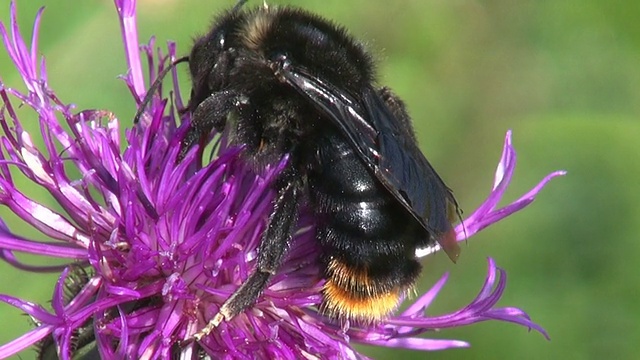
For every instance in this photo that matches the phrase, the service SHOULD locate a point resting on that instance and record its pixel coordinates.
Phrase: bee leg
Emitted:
(211, 113)
(273, 246)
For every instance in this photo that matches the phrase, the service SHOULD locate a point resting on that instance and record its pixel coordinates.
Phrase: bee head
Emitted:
(244, 44)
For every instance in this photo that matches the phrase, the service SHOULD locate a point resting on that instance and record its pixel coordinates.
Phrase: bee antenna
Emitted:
(154, 87)
(238, 6)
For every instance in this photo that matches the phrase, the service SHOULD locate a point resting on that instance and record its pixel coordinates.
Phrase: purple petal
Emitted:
(486, 214)
(24, 341)
(129, 28)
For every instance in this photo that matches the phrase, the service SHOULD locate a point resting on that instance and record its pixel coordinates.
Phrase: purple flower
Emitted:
(163, 244)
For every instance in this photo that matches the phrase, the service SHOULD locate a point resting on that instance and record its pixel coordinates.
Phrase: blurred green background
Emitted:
(563, 75)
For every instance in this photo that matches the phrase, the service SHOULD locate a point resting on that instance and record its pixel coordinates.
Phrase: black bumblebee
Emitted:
(284, 81)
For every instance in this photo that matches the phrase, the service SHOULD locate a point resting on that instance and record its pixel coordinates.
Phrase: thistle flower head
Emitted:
(162, 244)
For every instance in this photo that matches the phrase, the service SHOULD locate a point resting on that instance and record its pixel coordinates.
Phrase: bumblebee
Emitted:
(283, 81)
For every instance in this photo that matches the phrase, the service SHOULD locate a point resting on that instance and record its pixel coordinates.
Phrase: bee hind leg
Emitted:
(273, 246)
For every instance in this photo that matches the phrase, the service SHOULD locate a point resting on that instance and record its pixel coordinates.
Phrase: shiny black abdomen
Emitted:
(359, 223)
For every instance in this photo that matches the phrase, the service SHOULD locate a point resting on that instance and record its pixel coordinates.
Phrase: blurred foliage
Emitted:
(562, 74)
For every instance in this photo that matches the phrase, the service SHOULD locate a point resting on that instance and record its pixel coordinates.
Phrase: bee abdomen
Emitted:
(368, 239)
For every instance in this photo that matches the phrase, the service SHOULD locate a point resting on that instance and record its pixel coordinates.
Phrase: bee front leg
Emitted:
(273, 246)
(210, 114)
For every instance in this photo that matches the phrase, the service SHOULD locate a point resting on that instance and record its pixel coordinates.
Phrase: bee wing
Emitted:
(388, 150)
